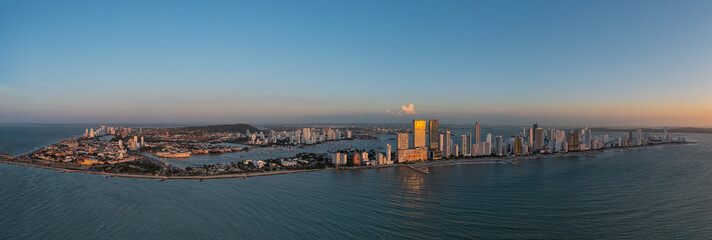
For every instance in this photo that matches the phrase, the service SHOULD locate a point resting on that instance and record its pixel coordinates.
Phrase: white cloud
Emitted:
(407, 110)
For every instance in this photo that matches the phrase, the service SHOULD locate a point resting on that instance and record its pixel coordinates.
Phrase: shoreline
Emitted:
(488, 159)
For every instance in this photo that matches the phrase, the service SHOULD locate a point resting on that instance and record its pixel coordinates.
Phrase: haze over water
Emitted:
(650, 192)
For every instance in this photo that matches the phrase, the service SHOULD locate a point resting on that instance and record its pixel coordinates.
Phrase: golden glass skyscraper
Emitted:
(419, 133)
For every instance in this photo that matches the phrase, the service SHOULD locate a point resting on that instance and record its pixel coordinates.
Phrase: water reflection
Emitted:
(410, 199)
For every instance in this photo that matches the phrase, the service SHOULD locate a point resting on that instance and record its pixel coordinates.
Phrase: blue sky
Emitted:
(508, 62)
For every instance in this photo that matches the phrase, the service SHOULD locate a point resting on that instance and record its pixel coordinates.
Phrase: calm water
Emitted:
(656, 192)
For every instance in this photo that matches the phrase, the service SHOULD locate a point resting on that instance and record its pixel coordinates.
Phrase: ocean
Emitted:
(660, 192)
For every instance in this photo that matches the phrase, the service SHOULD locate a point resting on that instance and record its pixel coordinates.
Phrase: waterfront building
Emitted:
(464, 145)
(402, 141)
(388, 154)
(477, 132)
(573, 141)
(530, 139)
(487, 148)
(356, 157)
(411, 155)
(440, 145)
(518, 145)
(499, 146)
(447, 144)
(457, 152)
(538, 139)
(419, 133)
(364, 157)
(434, 137)
(336, 158)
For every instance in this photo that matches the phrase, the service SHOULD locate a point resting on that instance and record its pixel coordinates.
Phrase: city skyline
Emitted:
(603, 63)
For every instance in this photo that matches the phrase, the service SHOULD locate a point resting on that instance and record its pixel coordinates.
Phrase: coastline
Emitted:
(511, 160)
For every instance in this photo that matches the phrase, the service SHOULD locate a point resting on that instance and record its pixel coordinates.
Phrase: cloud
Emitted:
(407, 110)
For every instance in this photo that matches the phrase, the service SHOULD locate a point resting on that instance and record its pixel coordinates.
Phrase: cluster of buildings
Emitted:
(304, 136)
(429, 143)
(85, 151)
(362, 158)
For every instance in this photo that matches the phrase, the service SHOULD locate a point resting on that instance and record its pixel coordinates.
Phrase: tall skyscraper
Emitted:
(464, 145)
(442, 142)
(518, 145)
(573, 141)
(447, 148)
(499, 148)
(477, 132)
(531, 137)
(419, 133)
(538, 139)
(434, 136)
(388, 154)
(402, 141)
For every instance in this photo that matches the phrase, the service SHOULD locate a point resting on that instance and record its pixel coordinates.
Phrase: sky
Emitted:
(596, 63)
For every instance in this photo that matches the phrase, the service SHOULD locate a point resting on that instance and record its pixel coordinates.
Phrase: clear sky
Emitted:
(598, 63)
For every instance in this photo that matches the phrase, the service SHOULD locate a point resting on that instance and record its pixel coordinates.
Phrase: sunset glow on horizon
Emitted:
(572, 63)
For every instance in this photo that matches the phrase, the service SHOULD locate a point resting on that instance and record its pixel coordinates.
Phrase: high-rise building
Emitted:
(388, 154)
(573, 141)
(518, 145)
(469, 144)
(499, 146)
(356, 159)
(434, 136)
(666, 135)
(364, 156)
(402, 141)
(464, 145)
(419, 133)
(538, 139)
(531, 137)
(477, 132)
(447, 148)
(441, 144)
(336, 158)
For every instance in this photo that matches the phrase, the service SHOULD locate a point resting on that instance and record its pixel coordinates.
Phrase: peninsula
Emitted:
(142, 153)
